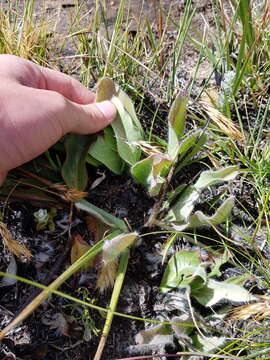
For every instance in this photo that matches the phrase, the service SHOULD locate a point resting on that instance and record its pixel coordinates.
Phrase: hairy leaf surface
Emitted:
(101, 215)
(183, 269)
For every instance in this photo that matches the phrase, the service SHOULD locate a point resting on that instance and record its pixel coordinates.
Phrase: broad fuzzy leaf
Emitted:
(133, 132)
(105, 151)
(240, 279)
(184, 206)
(218, 262)
(189, 147)
(129, 107)
(176, 124)
(160, 169)
(142, 170)
(106, 90)
(180, 213)
(215, 292)
(74, 170)
(209, 178)
(173, 143)
(126, 126)
(199, 219)
(126, 134)
(177, 114)
(208, 344)
(151, 172)
(101, 215)
(183, 269)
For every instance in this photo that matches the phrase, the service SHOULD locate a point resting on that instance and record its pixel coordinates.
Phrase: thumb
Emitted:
(90, 118)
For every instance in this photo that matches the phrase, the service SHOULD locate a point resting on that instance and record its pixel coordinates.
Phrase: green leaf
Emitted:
(177, 114)
(101, 215)
(240, 279)
(245, 13)
(189, 147)
(126, 134)
(183, 269)
(173, 143)
(199, 219)
(189, 141)
(142, 170)
(104, 150)
(180, 213)
(215, 292)
(215, 271)
(126, 126)
(172, 195)
(184, 206)
(176, 124)
(209, 178)
(74, 170)
(92, 161)
(106, 90)
(208, 344)
(129, 107)
(151, 172)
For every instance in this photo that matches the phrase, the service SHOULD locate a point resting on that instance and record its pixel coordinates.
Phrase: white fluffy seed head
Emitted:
(114, 247)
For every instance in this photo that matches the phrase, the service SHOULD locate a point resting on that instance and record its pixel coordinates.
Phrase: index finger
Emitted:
(67, 86)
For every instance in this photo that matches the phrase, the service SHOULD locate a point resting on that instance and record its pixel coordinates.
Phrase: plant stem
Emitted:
(156, 209)
(113, 303)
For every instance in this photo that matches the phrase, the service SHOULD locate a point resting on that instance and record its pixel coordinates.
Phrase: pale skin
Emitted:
(38, 106)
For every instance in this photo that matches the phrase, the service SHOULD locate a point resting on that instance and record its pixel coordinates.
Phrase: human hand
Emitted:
(38, 106)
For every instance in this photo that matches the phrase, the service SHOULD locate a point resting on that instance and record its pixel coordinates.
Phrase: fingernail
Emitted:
(108, 109)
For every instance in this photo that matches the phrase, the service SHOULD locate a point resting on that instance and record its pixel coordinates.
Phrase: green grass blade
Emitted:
(100, 214)
(113, 303)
